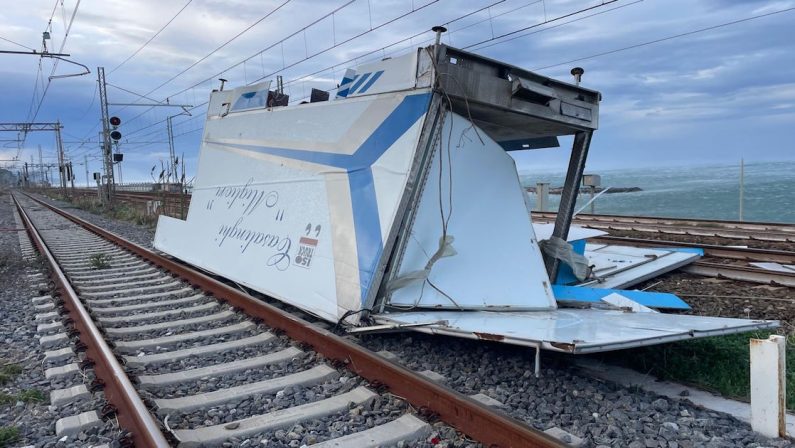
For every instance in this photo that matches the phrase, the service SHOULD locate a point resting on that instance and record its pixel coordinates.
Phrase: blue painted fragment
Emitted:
(565, 274)
(594, 295)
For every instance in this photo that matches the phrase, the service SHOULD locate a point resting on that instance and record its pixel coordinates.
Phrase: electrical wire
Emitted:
(327, 68)
(598, 13)
(17, 44)
(542, 23)
(55, 63)
(220, 47)
(663, 39)
(151, 38)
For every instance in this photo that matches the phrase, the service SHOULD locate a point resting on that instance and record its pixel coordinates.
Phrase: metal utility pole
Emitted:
(61, 161)
(41, 166)
(172, 168)
(71, 176)
(106, 145)
(88, 185)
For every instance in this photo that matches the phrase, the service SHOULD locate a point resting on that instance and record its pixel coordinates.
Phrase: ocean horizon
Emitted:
(698, 191)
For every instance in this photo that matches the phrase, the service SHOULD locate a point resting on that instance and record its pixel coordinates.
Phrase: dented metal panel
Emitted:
(472, 196)
(574, 330)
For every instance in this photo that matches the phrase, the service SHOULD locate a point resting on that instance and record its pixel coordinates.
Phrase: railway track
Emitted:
(188, 360)
(771, 232)
(681, 222)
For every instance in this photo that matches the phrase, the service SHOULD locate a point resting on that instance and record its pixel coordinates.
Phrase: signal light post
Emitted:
(106, 151)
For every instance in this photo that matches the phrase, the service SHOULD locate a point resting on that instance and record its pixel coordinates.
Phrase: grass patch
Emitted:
(26, 396)
(126, 213)
(8, 435)
(8, 372)
(31, 396)
(720, 364)
(99, 261)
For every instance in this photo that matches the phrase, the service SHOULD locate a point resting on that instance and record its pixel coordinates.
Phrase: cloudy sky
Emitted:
(707, 97)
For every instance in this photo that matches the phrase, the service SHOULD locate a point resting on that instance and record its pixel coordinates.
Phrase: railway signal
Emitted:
(114, 133)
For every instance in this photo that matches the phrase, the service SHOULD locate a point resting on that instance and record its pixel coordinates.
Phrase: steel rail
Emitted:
(742, 273)
(727, 224)
(491, 427)
(132, 413)
(758, 235)
(712, 250)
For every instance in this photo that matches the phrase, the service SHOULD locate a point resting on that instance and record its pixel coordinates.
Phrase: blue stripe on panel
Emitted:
(372, 81)
(359, 83)
(345, 86)
(366, 224)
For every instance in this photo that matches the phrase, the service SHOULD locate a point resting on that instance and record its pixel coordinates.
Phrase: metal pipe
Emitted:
(568, 198)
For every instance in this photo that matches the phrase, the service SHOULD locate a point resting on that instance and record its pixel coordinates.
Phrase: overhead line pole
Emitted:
(106, 145)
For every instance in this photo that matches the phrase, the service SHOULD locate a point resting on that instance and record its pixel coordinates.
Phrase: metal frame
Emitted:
(396, 244)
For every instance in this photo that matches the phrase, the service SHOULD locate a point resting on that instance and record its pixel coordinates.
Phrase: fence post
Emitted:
(768, 386)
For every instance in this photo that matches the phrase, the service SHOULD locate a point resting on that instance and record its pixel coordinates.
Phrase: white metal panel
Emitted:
(498, 264)
(251, 233)
(294, 201)
(620, 267)
(544, 232)
(574, 330)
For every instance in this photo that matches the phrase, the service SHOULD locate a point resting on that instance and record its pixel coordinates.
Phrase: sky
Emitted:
(706, 97)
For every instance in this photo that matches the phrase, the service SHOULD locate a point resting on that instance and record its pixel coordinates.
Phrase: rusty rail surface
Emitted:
(132, 413)
(491, 427)
(742, 273)
(691, 222)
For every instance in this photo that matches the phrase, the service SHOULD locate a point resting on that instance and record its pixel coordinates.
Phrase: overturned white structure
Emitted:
(395, 202)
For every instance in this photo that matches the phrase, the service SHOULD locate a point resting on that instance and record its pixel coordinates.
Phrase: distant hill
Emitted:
(7, 177)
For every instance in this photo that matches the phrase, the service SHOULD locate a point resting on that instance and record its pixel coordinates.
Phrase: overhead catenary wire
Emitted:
(17, 44)
(55, 62)
(663, 39)
(558, 25)
(135, 53)
(545, 21)
(321, 52)
(220, 47)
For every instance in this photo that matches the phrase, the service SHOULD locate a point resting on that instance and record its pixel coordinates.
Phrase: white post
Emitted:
(742, 186)
(768, 386)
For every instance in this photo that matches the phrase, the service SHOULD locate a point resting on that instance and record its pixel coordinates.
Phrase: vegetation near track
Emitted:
(25, 396)
(8, 372)
(8, 435)
(122, 211)
(720, 364)
(99, 261)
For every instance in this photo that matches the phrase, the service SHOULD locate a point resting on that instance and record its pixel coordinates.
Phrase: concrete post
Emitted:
(542, 196)
(768, 386)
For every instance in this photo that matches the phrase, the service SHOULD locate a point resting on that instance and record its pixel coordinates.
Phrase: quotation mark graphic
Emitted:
(309, 229)
(280, 215)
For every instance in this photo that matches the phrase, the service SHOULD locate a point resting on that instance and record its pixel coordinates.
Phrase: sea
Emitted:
(699, 191)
